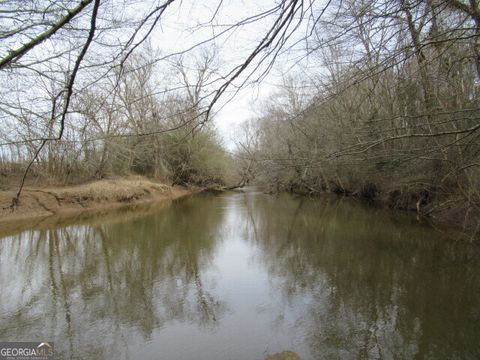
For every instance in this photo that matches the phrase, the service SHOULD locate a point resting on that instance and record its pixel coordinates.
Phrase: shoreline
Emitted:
(456, 221)
(42, 207)
(57, 204)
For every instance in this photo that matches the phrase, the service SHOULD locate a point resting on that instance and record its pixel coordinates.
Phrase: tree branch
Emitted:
(22, 50)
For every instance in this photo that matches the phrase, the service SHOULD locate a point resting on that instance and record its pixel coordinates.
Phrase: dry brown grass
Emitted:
(99, 195)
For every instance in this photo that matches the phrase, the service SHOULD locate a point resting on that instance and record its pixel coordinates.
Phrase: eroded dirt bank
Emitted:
(38, 203)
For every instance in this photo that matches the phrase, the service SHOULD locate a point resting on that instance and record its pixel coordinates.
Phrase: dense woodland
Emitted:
(124, 127)
(382, 102)
(394, 117)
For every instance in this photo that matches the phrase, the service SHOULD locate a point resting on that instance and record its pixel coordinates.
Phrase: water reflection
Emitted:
(240, 275)
(376, 286)
(90, 285)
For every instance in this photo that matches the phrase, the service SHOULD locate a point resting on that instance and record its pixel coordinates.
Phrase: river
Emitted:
(240, 276)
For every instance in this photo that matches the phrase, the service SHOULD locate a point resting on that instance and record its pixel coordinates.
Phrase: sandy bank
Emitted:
(38, 203)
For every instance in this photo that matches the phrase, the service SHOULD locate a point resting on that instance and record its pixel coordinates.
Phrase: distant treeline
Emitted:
(124, 125)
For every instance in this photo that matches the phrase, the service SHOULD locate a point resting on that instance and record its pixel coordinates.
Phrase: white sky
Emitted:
(183, 25)
(179, 31)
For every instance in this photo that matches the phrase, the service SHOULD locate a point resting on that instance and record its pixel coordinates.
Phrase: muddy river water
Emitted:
(240, 276)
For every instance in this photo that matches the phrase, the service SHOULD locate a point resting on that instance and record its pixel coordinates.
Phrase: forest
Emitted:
(375, 99)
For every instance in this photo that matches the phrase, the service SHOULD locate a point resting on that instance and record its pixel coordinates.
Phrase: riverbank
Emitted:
(451, 214)
(39, 202)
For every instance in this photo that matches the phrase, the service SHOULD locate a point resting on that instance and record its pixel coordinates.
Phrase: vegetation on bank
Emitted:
(126, 127)
(40, 203)
(380, 100)
(394, 120)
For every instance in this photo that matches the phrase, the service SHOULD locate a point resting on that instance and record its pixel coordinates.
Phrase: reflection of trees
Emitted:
(362, 284)
(76, 283)
(376, 287)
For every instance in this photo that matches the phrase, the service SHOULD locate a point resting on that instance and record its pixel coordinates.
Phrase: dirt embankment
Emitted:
(100, 195)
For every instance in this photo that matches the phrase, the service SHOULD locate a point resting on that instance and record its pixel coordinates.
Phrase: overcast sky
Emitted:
(186, 24)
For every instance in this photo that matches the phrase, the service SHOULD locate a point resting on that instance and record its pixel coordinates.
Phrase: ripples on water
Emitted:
(238, 276)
